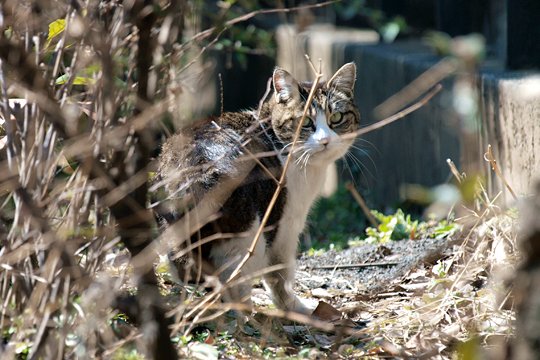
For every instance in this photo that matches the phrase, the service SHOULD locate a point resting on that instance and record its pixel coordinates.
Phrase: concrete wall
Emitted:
(323, 41)
(511, 124)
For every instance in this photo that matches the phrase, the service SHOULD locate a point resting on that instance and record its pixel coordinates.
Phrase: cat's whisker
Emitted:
(298, 142)
(305, 167)
(359, 163)
(297, 161)
(368, 143)
(308, 155)
(301, 161)
(300, 158)
(362, 168)
(300, 149)
(345, 159)
(366, 153)
(299, 146)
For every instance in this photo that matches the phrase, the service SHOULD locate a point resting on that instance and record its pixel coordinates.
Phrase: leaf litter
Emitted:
(424, 298)
(428, 297)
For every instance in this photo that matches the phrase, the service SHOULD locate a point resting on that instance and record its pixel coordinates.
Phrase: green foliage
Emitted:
(469, 349)
(441, 230)
(392, 28)
(127, 354)
(223, 340)
(338, 222)
(442, 267)
(243, 41)
(79, 80)
(335, 220)
(22, 349)
(388, 28)
(467, 48)
(399, 226)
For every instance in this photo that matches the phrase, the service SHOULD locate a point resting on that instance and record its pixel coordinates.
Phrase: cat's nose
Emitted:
(324, 141)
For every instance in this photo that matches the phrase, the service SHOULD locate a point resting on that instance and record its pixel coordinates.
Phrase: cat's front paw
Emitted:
(301, 306)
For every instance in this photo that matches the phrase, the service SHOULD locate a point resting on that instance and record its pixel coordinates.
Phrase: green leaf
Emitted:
(400, 232)
(79, 80)
(469, 350)
(8, 32)
(22, 347)
(55, 29)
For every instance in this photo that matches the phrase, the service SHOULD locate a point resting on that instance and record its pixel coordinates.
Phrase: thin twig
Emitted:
(455, 171)
(379, 124)
(220, 94)
(353, 266)
(415, 88)
(360, 200)
(281, 183)
(488, 156)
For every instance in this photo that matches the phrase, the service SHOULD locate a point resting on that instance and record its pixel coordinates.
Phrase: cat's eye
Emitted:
(308, 123)
(336, 119)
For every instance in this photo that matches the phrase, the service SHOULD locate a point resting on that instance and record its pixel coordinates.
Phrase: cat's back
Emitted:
(206, 151)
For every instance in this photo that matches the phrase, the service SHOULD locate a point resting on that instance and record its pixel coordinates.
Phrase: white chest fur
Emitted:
(303, 187)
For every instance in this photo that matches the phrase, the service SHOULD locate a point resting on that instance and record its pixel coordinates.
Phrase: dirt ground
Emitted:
(339, 277)
(369, 268)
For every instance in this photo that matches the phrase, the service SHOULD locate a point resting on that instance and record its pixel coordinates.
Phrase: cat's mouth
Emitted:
(319, 154)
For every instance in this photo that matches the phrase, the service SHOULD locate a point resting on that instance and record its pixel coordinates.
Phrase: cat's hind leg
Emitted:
(226, 257)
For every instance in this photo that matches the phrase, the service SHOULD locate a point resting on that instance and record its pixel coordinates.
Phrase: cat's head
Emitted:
(331, 115)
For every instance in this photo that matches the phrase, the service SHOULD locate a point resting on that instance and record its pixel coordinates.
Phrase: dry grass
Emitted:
(462, 297)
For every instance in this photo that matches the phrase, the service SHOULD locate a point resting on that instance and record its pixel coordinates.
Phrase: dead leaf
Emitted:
(321, 293)
(202, 351)
(294, 329)
(375, 350)
(345, 349)
(327, 312)
(415, 286)
(394, 349)
(210, 340)
(352, 307)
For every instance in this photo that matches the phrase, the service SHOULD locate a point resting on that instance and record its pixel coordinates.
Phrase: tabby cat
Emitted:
(242, 155)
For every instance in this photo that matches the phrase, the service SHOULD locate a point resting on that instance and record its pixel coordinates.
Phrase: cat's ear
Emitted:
(344, 78)
(285, 86)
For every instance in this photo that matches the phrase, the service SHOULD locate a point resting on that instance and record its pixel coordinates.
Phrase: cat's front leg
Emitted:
(280, 284)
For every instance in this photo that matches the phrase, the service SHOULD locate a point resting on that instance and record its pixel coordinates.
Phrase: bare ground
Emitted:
(370, 268)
